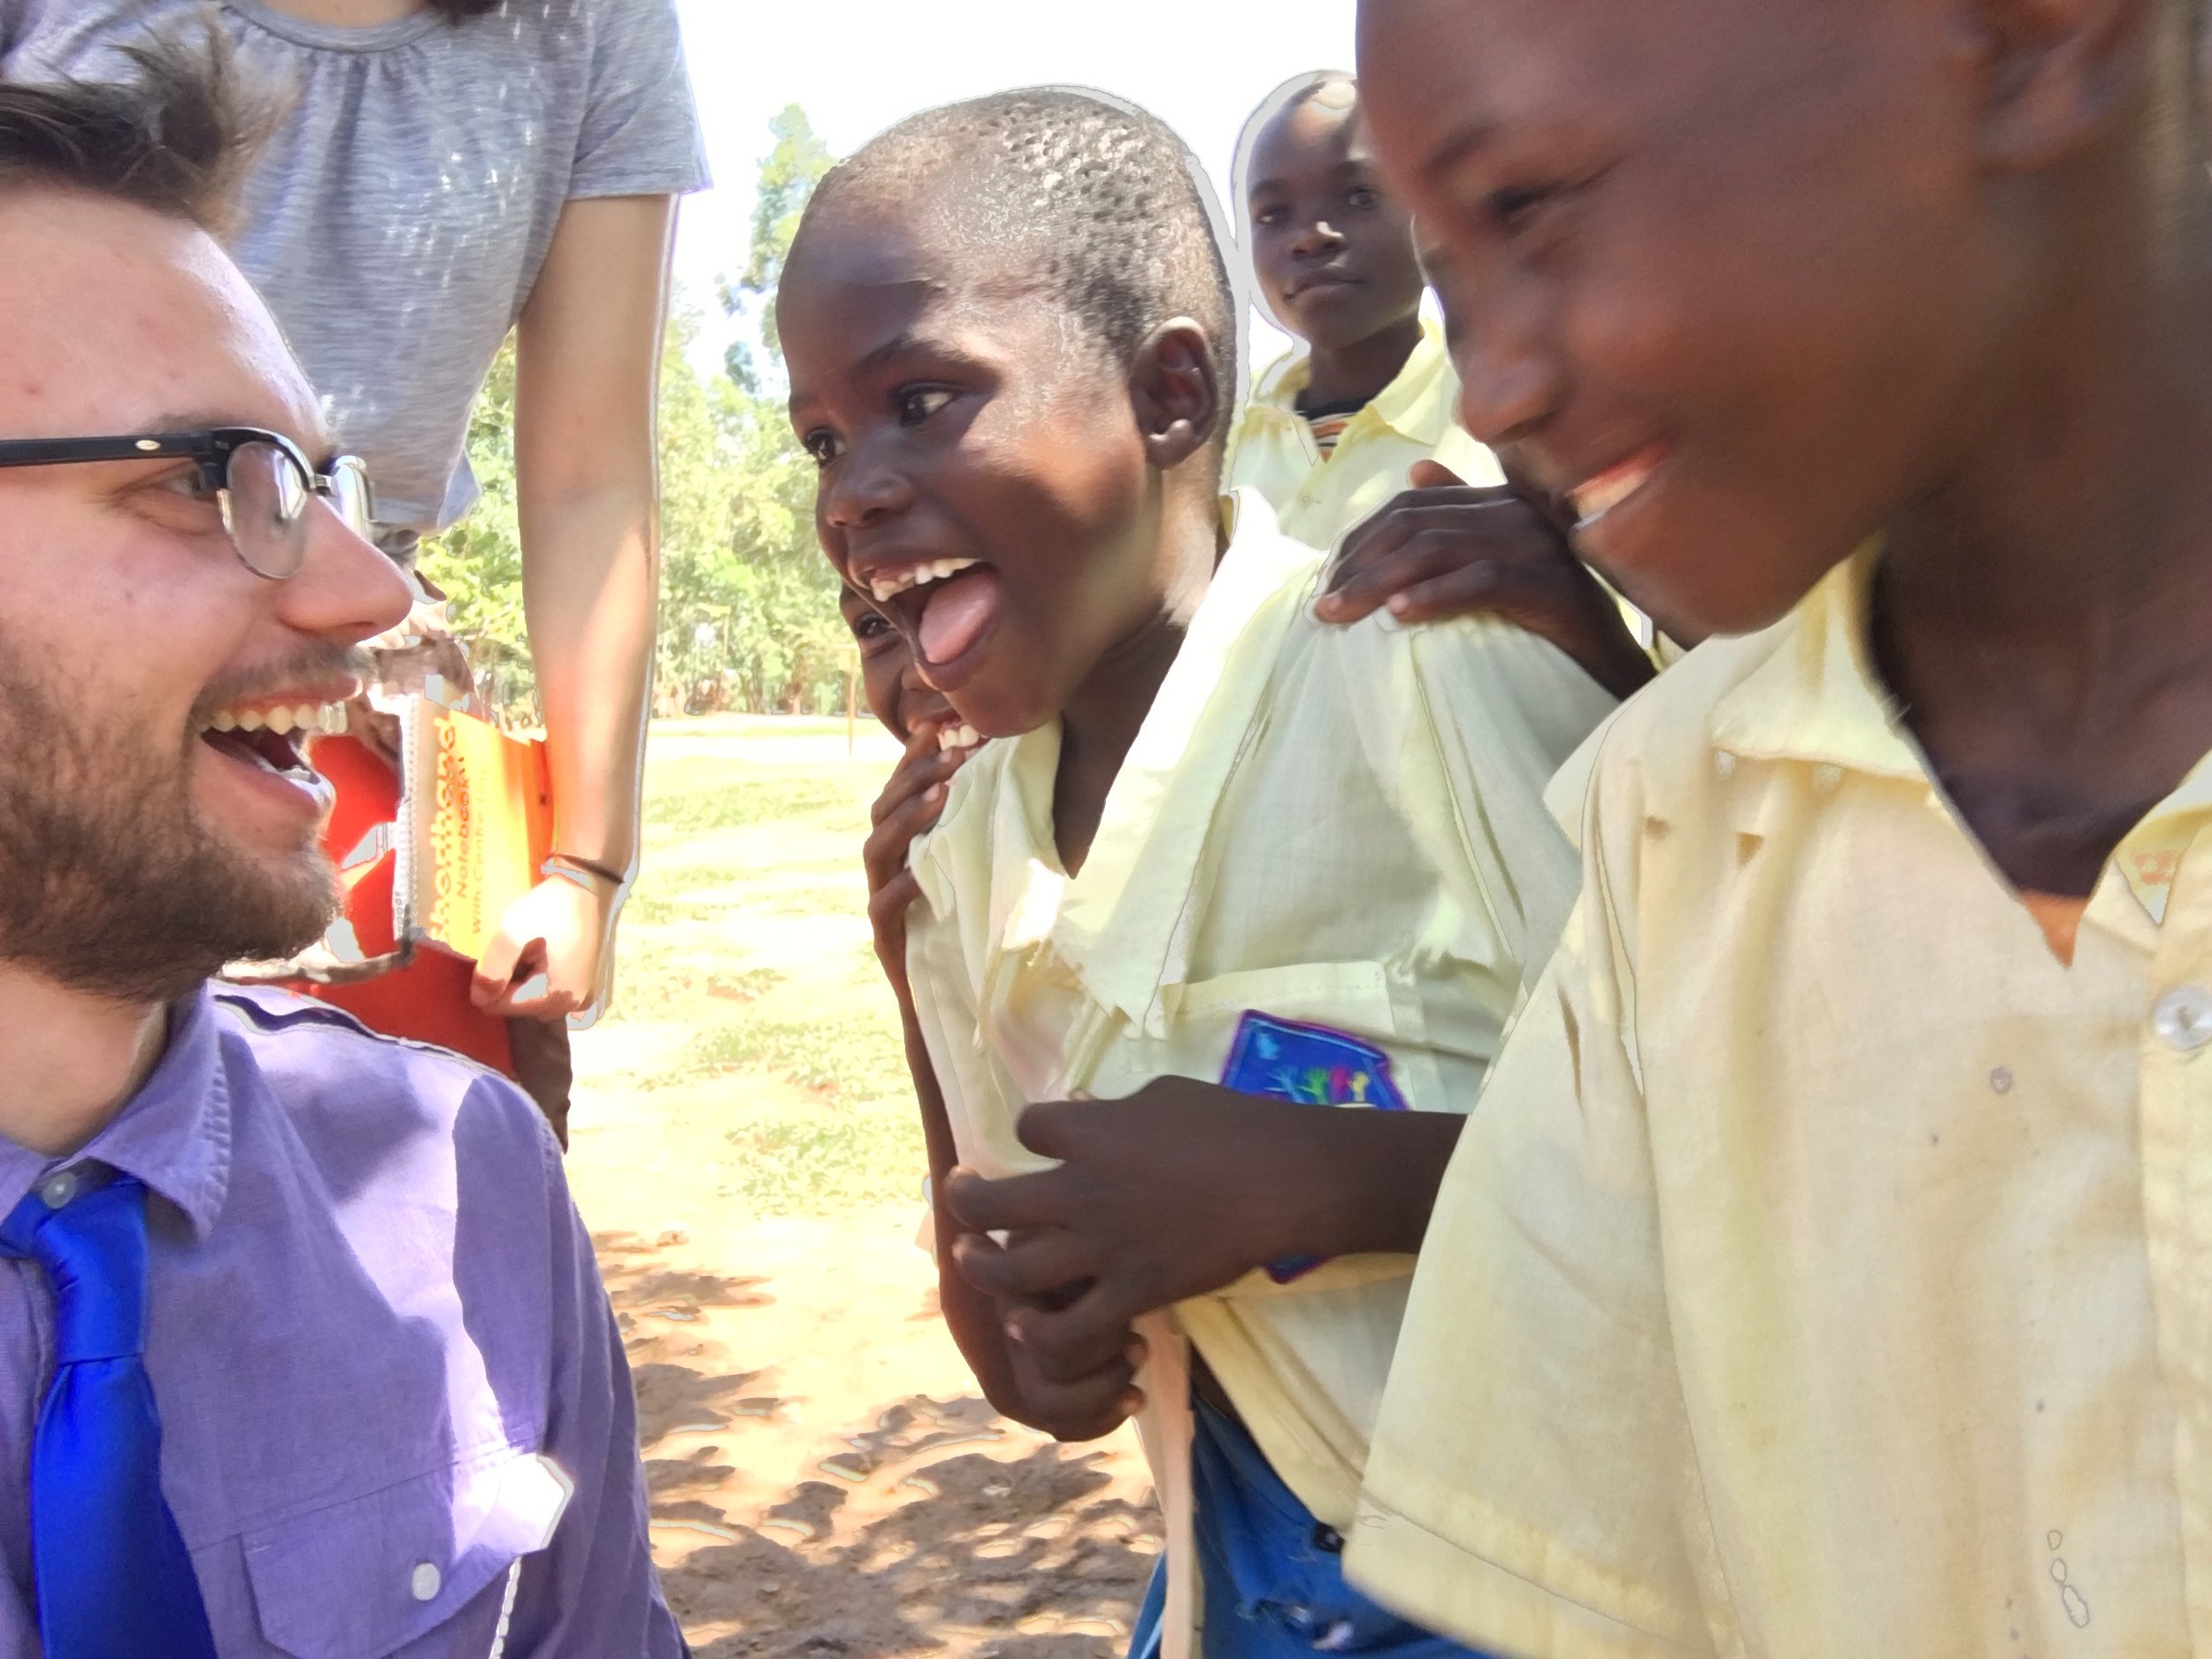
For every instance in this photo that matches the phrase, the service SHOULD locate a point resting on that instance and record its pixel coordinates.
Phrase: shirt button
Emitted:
(57, 1189)
(426, 1581)
(1724, 763)
(2183, 1018)
(1826, 777)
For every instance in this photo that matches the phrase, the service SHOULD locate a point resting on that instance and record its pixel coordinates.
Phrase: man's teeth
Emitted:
(1607, 491)
(915, 576)
(307, 720)
(958, 737)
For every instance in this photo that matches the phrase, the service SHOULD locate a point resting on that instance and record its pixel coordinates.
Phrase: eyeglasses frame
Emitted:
(212, 448)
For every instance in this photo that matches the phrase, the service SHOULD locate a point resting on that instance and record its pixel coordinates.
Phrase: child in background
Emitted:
(1334, 427)
(1353, 437)
(1825, 1271)
(1011, 335)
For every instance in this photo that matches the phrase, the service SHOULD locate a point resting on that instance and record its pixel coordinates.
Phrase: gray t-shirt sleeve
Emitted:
(641, 130)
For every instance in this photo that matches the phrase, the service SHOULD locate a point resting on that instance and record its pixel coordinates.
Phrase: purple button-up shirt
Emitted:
(372, 1306)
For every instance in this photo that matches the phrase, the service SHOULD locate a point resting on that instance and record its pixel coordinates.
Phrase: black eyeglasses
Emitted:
(262, 480)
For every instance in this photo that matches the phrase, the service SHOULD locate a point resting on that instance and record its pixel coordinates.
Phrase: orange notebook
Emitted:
(479, 823)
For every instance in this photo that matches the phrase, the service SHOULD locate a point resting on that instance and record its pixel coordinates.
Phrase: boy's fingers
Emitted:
(1462, 514)
(914, 778)
(1043, 1259)
(1087, 1409)
(1087, 1336)
(1432, 474)
(1019, 1201)
(885, 851)
(891, 901)
(1047, 1127)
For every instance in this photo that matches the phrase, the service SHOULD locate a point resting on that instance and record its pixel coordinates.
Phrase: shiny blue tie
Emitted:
(113, 1579)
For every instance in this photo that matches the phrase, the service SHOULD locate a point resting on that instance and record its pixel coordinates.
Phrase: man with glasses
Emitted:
(302, 1348)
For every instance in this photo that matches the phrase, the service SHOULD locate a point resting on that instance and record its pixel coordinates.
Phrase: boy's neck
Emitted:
(1101, 721)
(2044, 615)
(1358, 373)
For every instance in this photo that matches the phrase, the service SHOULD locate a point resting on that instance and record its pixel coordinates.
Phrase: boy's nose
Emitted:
(1320, 240)
(864, 493)
(1510, 380)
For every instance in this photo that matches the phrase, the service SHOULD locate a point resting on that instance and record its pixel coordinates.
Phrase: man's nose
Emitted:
(345, 589)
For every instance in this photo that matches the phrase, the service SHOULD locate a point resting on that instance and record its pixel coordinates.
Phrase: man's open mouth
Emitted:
(269, 737)
(945, 606)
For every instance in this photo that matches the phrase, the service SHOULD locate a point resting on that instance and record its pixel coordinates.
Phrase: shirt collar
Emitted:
(1122, 935)
(174, 1135)
(1418, 405)
(1816, 697)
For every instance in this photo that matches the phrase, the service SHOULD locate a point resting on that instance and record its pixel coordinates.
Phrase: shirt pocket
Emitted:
(1202, 1019)
(371, 1575)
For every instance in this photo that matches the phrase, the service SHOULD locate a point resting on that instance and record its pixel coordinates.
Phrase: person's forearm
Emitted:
(973, 1318)
(591, 587)
(1346, 1181)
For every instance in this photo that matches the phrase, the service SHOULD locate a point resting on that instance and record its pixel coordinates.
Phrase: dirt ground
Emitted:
(826, 1480)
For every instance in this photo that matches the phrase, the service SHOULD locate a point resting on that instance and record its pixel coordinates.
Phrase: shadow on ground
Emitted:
(936, 1526)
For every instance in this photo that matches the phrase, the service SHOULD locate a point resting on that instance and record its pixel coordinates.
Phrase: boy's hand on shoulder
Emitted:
(1180, 1189)
(1443, 549)
(912, 801)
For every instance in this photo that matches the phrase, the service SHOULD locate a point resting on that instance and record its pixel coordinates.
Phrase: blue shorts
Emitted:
(1274, 1575)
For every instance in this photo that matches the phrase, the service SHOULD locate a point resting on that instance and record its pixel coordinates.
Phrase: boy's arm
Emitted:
(1081, 1406)
(1177, 1191)
(1084, 1404)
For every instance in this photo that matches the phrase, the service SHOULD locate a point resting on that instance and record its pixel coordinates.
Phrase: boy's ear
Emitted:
(1172, 386)
(2055, 71)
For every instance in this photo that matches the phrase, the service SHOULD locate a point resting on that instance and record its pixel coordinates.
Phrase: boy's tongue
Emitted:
(956, 613)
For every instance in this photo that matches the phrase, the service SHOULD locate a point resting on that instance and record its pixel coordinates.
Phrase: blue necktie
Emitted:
(113, 1579)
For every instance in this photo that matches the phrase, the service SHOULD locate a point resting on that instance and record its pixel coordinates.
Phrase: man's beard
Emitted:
(109, 884)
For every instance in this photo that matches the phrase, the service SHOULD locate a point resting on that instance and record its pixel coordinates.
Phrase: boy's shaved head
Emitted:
(1096, 200)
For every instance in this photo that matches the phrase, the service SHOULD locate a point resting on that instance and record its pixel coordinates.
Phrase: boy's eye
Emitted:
(868, 625)
(919, 404)
(821, 445)
(1363, 197)
(1268, 217)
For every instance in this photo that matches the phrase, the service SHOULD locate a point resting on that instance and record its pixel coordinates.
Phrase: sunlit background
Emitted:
(1201, 66)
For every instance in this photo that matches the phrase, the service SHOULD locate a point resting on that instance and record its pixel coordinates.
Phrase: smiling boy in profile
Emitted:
(1825, 1271)
(1217, 839)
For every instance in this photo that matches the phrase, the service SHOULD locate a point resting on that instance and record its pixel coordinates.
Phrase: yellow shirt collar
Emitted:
(1416, 405)
(1816, 697)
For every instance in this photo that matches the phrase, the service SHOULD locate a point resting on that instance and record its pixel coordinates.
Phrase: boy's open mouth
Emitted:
(945, 606)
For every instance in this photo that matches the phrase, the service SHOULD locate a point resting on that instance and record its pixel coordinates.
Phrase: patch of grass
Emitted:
(856, 1055)
(827, 1163)
(691, 797)
(654, 983)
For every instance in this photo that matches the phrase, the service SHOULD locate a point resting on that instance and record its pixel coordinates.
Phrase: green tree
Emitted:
(748, 614)
(788, 177)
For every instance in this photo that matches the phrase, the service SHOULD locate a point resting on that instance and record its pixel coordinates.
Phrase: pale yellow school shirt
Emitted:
(1317, 498)
(1828, 1271)
(1342, 826)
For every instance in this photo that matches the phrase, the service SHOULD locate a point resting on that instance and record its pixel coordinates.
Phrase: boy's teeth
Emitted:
(279, 721)
(224, 721)
(915, 576)
(1607, 491)
(249, 720)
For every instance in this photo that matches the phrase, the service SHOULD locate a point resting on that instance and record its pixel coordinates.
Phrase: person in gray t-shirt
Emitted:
(443, 171)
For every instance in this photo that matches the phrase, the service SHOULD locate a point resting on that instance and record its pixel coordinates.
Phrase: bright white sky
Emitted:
(856, 66)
